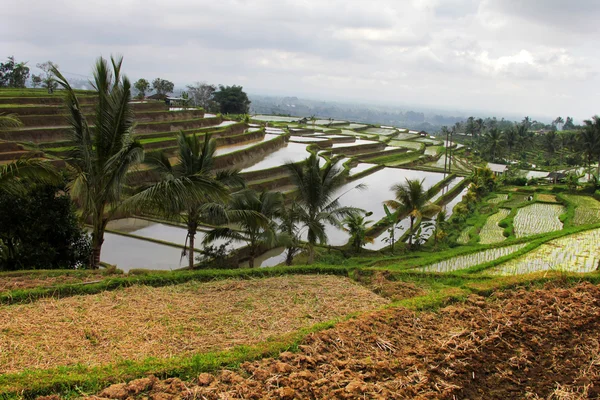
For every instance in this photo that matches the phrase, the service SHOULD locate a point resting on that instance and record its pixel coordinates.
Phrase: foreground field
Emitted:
(140, 321)
(540, 344)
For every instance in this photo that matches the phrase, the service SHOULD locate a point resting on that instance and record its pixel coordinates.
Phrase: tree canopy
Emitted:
(232, 100)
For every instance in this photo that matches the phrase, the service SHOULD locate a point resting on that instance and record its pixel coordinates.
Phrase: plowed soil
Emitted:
(520, 344)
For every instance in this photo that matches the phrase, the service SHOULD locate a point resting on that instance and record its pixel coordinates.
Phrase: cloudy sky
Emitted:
(518, 57)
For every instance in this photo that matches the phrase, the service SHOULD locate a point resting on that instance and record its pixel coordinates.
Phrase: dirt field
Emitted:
(29, 281)
(140, 322)
(517, 345)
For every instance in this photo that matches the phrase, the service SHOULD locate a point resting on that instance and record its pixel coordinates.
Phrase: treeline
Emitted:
(522, 143)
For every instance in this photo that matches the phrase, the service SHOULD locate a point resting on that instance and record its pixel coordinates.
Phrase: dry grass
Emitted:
(140, 322)
(29, 281)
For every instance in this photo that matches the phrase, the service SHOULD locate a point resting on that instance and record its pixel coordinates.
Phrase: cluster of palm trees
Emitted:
(518, 143)
(188, 188)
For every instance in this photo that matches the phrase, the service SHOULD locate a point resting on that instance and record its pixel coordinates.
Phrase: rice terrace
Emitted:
(164, 240)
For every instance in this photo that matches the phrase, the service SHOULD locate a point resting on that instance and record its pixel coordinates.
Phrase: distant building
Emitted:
(423, 133)
(497, 169)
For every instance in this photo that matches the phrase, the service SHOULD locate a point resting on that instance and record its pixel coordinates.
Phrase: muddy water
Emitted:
(293, 152)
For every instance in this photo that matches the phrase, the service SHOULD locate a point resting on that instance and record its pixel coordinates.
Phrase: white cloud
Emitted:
(506, 55)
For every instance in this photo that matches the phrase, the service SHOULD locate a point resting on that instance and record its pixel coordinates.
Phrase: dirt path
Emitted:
(531, 345)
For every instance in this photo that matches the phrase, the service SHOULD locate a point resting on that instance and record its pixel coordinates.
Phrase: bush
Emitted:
(39, 230)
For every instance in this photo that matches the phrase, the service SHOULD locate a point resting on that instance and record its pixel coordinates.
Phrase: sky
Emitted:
(517, 57)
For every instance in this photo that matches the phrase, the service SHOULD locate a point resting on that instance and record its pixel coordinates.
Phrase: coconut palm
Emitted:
(317, 205)
(356, 225)
(102, 155)
(511, 136)
(253, 213)
(590, 140)
(288, 228)
(12, 174)
(494, 140)
(9, 121)
(190, 188)
(411, 198)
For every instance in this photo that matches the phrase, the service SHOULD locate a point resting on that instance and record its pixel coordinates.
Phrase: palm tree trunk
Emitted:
(412, 221)
(192, 229)
(289, 257)
(99, 223)
(192, 236)
(311, 253)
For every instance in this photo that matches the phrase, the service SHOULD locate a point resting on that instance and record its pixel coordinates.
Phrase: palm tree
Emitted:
(12, 174)
(412, 199)
(511, 136)
(253, 213)
(102, 155)
(494, 140)
(9, 121)
(289, 231)
(190, 188)
(317, 205)
(356, 225)
(590, 140)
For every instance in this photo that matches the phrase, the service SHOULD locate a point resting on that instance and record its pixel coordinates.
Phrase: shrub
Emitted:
(39, 230)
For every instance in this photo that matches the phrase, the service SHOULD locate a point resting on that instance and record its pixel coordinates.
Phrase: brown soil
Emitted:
(140, 321)
(526, 345)
(383, 284)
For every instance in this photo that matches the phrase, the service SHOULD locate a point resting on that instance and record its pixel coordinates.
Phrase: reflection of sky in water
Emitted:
(128, 253)
(293, 152)
(371, 199)
(231, 149)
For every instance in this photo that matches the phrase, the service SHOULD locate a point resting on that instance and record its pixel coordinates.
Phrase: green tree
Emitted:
(232, 100)
(511, 137)
(39, 230)
(162, 86)
(590, 140)
(392, 221)
(289, 230)
(13, 74)
(101, 156)
(253, 213)
(142, 86)
(356, 225)
(411, 198)
(494, 141)
(317, 205)
(36, 80)
(191, 188)
(569, 124)
(48, 78)
(34, 171)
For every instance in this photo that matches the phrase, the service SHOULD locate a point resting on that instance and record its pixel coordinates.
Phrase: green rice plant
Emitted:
(473, 259)
(587, 209)
(498, 199)
(574, 253)
(464, 237)
(516, 200)
(538, 218)
(491, 231)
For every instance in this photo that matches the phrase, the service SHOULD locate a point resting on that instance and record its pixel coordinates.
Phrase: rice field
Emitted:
(407, 144)
(491, 231)
(574, 253)
(538, 218)
(516, 199)
(498, 199)
(464, 236)
(548, 198)
(141, 321)
(471, 260)
(587, 209)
